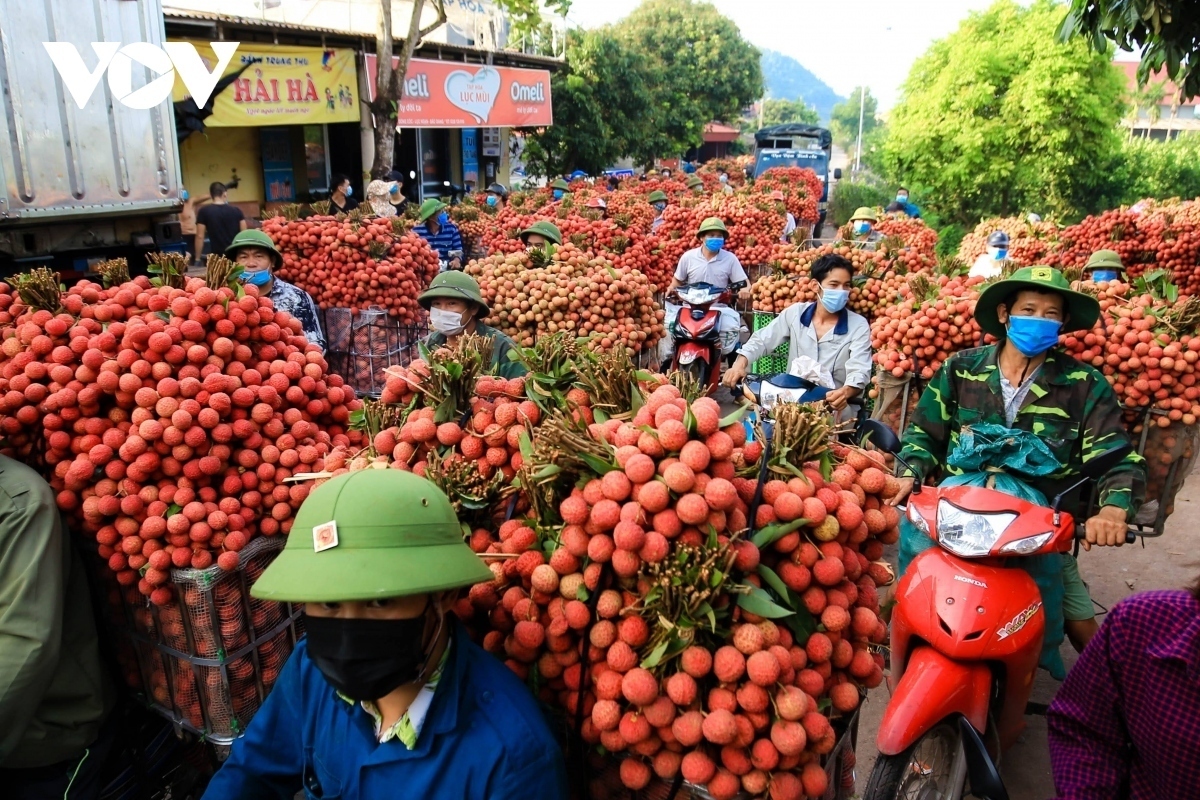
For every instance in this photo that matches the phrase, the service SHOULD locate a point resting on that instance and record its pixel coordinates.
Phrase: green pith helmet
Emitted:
(712, 224)
(371, 534)
(543, 228)
(253, 238)
(429, 208)
(657, 196)
(455, 285)
(694, 182)
(1082, 310)
(865, 213)
(1104, 259)
(560, 184)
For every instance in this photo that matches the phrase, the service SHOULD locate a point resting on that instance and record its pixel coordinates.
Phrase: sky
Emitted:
(843, 42)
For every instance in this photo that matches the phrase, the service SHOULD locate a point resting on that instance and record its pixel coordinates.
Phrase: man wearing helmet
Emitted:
(657, 199)
(709, 263)
(387, 696)
(993, 262)
(456, 307)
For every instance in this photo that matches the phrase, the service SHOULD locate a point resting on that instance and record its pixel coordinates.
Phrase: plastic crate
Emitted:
(207, 660)
(775, 363)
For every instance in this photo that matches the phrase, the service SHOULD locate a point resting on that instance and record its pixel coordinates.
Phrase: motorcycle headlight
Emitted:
(917, 520)
(1030, 544)
(969, 533)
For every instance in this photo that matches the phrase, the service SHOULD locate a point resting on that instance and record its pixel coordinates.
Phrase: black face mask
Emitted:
(366, 659)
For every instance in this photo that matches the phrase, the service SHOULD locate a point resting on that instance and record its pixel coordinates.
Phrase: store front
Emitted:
(287, 121)
(450, 128)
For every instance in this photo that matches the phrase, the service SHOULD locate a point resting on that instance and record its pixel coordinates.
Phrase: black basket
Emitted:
(362, 344)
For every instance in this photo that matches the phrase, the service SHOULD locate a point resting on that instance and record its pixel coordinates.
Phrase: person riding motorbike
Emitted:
(443, 235)
(541, 234)
(824, 331)
(695, 184)
(709, 263)
(387, 696)
(863, 235)
(789, 221)
(456, 307)
(1026, 382)
(1104, 266)
(991, 263)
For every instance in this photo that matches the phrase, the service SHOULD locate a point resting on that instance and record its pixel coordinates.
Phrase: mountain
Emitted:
(787, 79)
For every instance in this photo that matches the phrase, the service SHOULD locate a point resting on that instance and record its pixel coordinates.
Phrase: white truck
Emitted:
(78, 185)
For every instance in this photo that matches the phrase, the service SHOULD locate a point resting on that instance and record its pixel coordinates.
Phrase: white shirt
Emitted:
(721, 272)
(844, 350)
(789, 227)
(986, 267)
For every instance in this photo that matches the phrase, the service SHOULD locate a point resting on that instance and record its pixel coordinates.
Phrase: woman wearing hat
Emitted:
(862, 229)
(455, 307)
(497, 196)
(709, 263)
(379, 198)
(1026, 382)
(442, 234)
(657, 199)
(258, 257)
(387, 696)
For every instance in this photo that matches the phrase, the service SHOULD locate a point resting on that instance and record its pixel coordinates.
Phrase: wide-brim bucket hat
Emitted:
(1082, 309)
(371, 534)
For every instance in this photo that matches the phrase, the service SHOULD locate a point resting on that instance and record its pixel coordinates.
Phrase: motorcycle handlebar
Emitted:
(1081, 534)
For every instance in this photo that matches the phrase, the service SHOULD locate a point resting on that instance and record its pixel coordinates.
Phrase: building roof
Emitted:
(718, 132)
(427, 48)
(1171, 91)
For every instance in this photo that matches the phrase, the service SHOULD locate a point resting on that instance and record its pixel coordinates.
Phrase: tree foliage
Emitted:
(1000, 117)
(1167, 32)
(843, 120)
(779, 112)
(698, 69)
(1146, 168)
(600, 103)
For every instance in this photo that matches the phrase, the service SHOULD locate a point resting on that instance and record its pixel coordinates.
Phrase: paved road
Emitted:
(1170, 562)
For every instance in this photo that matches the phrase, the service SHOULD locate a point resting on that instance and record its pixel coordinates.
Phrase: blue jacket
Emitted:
(484, 737)
(912, 210)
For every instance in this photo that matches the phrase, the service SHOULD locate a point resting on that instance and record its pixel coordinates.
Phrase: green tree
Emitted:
(843, 120)
(524, 16)
(699, 69)
(1166, 32)
(1148, 98)
(599, 107)
(779, 112)
(999, 118)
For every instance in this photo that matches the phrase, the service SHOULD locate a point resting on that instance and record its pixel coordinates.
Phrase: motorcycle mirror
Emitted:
(878, 434)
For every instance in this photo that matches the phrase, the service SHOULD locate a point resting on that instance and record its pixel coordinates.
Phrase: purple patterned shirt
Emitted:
(1126, 722)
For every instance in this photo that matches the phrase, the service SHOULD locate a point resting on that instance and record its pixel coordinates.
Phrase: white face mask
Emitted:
(447, 322)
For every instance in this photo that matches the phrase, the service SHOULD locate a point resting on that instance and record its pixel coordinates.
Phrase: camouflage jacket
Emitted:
(1070, 407)
(502, 345)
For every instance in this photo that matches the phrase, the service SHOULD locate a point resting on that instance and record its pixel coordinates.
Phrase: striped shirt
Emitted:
(446, 239)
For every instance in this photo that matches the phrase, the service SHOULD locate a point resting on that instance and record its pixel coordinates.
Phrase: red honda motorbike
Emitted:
(697, 332)
(966, 635)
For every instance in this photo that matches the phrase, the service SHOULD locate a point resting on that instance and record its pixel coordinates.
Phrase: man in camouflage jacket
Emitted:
(1067, 404)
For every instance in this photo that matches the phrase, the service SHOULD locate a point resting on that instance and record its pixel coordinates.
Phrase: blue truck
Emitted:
(797, 145)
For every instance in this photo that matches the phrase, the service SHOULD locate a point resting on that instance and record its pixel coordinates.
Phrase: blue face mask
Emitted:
(714, 244)
(902, 198)
(660, 205)
(862, 227)
(492, 200)
(184, 195)
(257, 278)
(443, 218)
(834, 300)
(349, 191)
(558, 194)
(1033, 335)
(1104, 275)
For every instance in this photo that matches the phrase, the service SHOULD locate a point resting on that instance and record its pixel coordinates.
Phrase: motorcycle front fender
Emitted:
(932, 688)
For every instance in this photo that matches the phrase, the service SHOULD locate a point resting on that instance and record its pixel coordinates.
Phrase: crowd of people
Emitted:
(387, 690)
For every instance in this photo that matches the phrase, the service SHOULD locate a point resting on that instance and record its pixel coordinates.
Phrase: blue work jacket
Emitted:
(484, 737)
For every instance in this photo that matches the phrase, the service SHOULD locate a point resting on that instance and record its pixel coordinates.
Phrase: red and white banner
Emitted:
(447, 94)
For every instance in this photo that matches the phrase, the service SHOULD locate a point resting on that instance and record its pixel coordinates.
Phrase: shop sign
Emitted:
(447, 94)
(281, 85)
(491, 142)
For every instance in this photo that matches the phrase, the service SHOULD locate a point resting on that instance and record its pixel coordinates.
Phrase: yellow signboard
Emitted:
(281, 85)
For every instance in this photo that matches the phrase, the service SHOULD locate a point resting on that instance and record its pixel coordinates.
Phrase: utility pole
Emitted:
(862, 103)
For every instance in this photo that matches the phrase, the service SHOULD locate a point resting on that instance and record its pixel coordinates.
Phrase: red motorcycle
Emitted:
(697, 332)
(966, 635)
